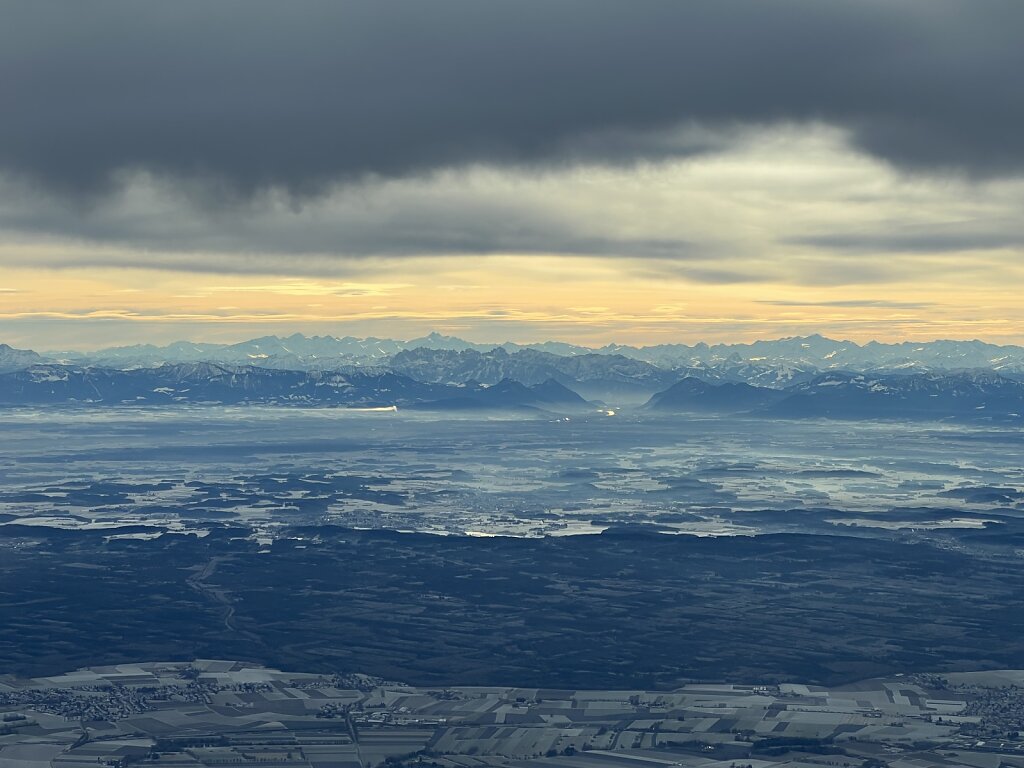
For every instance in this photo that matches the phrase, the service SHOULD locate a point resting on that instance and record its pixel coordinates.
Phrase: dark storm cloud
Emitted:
(250, 94)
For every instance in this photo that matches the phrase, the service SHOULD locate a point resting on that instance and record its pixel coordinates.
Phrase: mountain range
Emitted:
(789, 358)
(803, 376)
(973, 395)
(211, 383)
(593, 375)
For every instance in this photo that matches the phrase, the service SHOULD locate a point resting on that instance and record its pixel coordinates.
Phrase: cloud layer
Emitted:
(792, 207)
(251, 94)
(589, 169)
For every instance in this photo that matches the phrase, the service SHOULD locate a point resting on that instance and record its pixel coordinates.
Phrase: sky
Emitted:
(637, 171)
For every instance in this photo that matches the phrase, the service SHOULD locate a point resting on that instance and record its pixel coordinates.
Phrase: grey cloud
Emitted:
(710, 275)
(375, 221)
(937, 240)
(251, 94)
(828, 271)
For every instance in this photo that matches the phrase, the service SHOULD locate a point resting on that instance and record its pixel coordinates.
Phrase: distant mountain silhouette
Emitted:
(592, 375)
(191, 383)
(975, 395)
(692, 394)
(12, 359)
(818, 353)
(509, 394)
